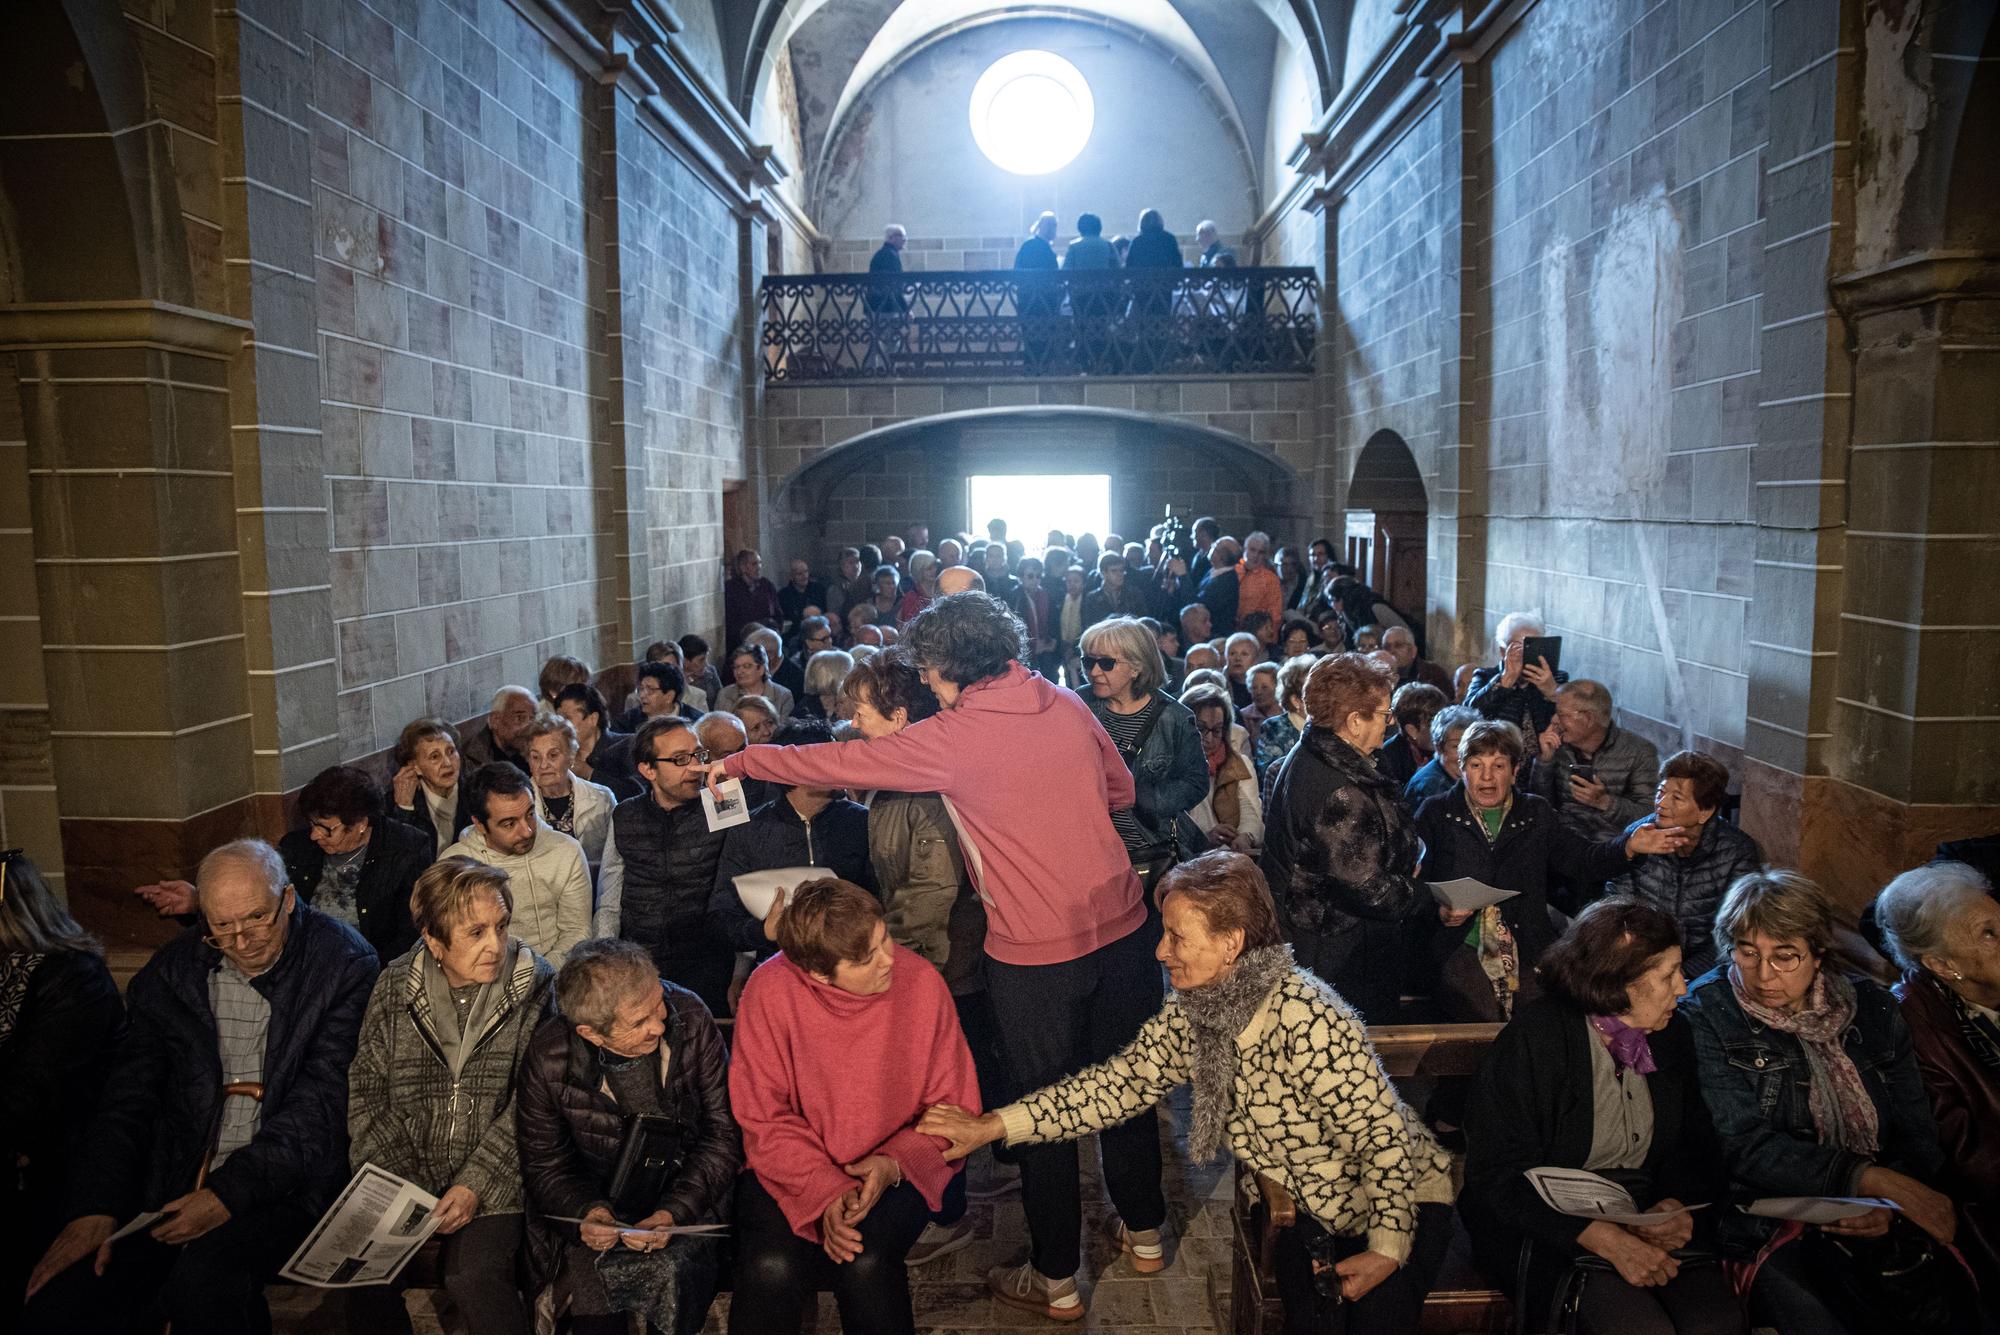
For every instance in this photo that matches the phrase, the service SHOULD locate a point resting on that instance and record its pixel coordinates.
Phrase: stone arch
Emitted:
(1386, 476)
(845, 493)
(1388, 521)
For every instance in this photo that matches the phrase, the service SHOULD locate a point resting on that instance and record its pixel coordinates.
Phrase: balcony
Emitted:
(820, 328)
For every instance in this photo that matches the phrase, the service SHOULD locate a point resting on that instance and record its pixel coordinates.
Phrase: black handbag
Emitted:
(1902, 1281)
(648, 1161)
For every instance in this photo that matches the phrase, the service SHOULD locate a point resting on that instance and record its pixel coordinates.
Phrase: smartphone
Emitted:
(1549, 648)
(1583, 769)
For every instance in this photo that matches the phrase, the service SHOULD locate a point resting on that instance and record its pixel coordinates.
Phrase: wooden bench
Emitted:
(1462, 1299)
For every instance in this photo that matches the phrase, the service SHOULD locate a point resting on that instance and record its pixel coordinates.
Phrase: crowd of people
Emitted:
(1075, 827)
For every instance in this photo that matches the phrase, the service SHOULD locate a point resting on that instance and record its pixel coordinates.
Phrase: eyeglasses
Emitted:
(1098, 663)
(1211, 729)
(251, 927)
(1784, 961)
(682, 759)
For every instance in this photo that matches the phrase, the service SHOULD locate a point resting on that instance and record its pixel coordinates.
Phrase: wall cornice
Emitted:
(31, 326)
(1918, 280)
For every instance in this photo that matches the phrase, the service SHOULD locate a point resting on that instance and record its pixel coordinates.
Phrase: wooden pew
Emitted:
(1462, 1300)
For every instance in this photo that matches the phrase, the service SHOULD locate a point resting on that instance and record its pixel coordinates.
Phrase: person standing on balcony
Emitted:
(1036, 297)
(1092, 300)
(886, 302)
(1147, 319)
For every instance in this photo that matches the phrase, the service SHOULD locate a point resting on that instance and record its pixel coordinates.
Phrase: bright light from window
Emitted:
(1031, 113)
(1032, 504)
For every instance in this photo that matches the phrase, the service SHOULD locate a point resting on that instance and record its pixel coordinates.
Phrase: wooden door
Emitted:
(1398, 569)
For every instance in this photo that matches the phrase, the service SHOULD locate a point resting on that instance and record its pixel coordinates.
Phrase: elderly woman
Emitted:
(1069, 946)
(1339, 851)
(568, 804)
(749, 668)
(1241, 652)
(1231, 813)
(59, 1017)
(1295, 637)
(1414, 704)
(1264, 703)
(425, 791)
(1067, 614)
(923, 579)
(625, 1044)
(1284, 1078)
(1155, 735)
(1513, 690)
(1484, 829)
(1440, 772)
(888, 586)
(1690, 882)
(1599, 1075)
(1943, 926)
(1281, 732)
(431, 1090)
(843, 1039)
(1815, 1091)
(824, 673)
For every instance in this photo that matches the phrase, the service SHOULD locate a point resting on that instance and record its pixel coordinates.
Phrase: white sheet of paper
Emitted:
(1817, 1209)
(760, 889)
(144, 1219)
(368, 1234)
(732, 809)
(1582, 1195)
(1466, 893)
(698, 1230)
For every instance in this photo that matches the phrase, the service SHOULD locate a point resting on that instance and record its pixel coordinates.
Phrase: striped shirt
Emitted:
(242, 1017)
(1124, 730)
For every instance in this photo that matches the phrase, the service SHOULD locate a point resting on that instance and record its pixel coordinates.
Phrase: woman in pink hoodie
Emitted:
(1030, 779)
(843, 1039)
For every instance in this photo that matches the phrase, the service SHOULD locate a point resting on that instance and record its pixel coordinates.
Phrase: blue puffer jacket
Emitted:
(158, 1110)
(1757, 1086)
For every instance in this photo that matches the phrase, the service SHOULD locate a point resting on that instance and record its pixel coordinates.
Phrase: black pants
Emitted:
(706, 972)
(778, 1272)
(1390, 1308)
(1056, 1019)
(479, 1268)
(1698, 1301)
(211, 1286)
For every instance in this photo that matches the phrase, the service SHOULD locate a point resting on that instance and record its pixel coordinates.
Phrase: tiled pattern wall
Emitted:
(460, 293)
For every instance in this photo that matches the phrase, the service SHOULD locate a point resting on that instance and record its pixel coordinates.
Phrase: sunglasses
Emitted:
(1098, 663)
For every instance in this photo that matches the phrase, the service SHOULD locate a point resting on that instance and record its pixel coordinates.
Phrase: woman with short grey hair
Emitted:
(825, 672)
(1155, 734)
(568, 803)
(1943, 926)
(1514, 690)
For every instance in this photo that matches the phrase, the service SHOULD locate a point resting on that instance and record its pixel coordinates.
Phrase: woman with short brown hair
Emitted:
(1599, 1074)
(1284, 1078)
(1338, 847)
(843, 1038)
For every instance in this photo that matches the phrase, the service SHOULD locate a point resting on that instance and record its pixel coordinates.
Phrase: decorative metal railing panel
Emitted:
(940, 325)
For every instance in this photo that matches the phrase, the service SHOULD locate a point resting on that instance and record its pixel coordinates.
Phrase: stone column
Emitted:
(131, 500)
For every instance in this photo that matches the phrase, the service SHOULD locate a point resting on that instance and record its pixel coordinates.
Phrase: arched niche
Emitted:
(1388, 521)
(882, 480)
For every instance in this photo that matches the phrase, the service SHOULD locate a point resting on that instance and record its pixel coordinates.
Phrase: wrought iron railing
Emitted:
(939, 325)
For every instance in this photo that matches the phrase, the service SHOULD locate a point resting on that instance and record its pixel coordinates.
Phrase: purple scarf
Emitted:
(1631, 1049)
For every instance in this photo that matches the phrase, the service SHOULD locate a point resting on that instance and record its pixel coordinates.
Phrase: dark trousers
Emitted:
(211, 1286)
(1056, 1019)
(778, 1272)
(1698, 1301)
(479, 1268)
(706, 972)
(1390, 1308)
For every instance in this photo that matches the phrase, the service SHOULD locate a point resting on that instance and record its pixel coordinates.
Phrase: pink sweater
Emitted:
(1030, 778)
(822, 1077)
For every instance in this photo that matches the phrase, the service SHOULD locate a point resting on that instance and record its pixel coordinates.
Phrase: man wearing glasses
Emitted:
(659, 865)
(266, 991)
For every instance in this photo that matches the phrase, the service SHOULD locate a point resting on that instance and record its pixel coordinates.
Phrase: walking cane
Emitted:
(248, 1089)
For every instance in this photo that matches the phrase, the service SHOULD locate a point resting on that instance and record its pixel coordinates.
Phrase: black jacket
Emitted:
(397, 854)
(51, 1069)
(570, 1129)
(158, 1112)
(611, 764)
(669, 860)
(1398, 759)
(836, 839)
(1155, 250)
(1691, 888)
(1219, 594)
(1341, 857)
(1520, 704)
(1532, 848)
(1532, 1107)
(418, 818)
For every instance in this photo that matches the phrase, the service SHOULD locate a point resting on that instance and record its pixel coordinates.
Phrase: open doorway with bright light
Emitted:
(1034, 503)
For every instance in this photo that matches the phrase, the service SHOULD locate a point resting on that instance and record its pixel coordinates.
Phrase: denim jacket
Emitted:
(1170, 776)
(1757, 1086)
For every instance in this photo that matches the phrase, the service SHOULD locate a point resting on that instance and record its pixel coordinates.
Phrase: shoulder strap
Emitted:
(1145, 734)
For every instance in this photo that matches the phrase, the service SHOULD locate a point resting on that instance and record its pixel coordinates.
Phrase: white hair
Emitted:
(1515, 622)
(252, 855)
(893, 229)
(507, 692)
(1243, 635)
(1917, 909)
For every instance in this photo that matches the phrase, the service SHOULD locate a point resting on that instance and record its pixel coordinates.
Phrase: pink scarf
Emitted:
(1842, 1112)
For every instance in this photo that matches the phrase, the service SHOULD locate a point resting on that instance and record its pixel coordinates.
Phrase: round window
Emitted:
(1031, 113)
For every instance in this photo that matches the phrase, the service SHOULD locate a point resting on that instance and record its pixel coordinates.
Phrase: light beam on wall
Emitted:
(1031, 113)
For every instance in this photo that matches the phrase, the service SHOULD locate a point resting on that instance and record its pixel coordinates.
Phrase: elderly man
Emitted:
(550, 875)
(267, 991)
(512, 709)
(958, 579)
(624, 1045)
(1223, 587)
(1215, 253)
(659, 865)
(1115, 595)
(1038, 251)
(800, 592)
(1515, 690)
(747, 596)
(1599, 777)
(1399, 641)
(1197, 626)
(1258, 588)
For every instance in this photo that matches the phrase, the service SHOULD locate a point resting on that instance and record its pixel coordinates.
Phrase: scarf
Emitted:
(1631, 1049)
(1217, 1013)
(455, 1045)
(17, 967)
(1842, 1112)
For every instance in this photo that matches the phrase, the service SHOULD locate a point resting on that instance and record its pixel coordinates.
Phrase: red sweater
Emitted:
(822, 1077)
(1030, 778)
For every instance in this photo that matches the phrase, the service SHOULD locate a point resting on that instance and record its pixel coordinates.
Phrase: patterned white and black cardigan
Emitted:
(1312, 1109)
